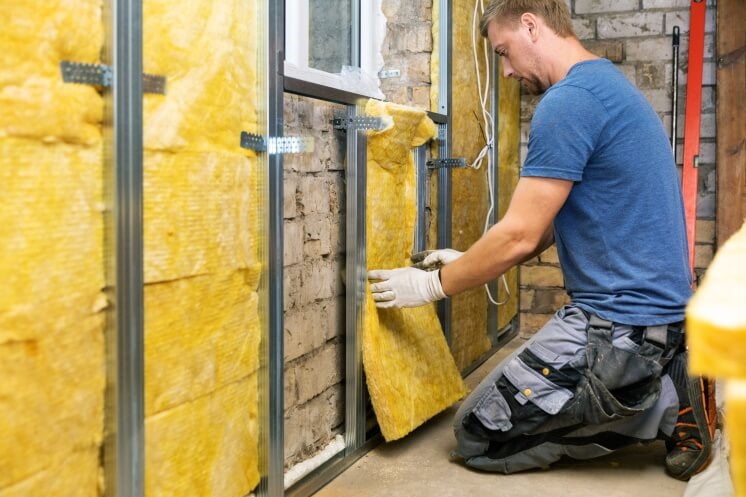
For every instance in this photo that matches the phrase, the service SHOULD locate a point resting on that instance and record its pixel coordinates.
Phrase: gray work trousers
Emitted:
(524, 414)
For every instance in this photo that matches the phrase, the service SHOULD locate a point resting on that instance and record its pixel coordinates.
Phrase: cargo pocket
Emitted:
(534, 388)
(493, 411)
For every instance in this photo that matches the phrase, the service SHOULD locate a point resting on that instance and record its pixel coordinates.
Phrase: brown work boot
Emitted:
(690, 445)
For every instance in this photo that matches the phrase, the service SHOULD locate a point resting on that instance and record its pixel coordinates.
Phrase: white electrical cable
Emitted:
(489, 131)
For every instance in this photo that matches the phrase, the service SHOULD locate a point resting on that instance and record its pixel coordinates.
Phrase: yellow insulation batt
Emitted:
(470, 187)
(202, 243)
(36, 35)
(716, 315)
(716, 336)
(52, 262)
(410, 373)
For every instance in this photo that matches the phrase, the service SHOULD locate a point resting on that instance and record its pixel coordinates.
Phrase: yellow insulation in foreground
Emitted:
(202, 242)
(52, 262)
(411, 374)
(716, 336)
(716, 315)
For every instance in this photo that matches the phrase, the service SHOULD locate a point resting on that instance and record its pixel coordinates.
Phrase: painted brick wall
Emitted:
(636, 34)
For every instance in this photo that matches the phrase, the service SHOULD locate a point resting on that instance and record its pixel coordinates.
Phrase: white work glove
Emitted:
(405, 287)
(433, 259)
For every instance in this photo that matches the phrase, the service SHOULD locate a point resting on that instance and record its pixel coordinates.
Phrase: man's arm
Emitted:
(524, 231)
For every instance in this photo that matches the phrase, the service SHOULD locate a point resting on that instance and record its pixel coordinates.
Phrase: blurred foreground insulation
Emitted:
(410, 372)
(716, 336)
(202, 241)
(52, 262)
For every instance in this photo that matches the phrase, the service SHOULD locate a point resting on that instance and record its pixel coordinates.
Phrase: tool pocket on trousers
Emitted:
(617, 383)
(534, 388)
(493, 410)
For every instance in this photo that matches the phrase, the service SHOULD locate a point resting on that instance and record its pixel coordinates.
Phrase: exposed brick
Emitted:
(650, 76)
(706, 205)
(630, 71)
(293, 243)
(317, 237)
(418, 68)
(704, 231)
(541, 276)
(612, 50)
(421, 97)
(309, 427)
(550, 255)
(585, 29)
(420, 37)
(304, 331)
(664, 4)
(314, 194)
(292, 282)
(531, 323)
(702, 255)
(318, 282)
(652, 49)
(319, 370)
(547, 301)
(290, 187)
(604, 6)
(527, 299)
(659, 99)
(625, 26)
(290, 388)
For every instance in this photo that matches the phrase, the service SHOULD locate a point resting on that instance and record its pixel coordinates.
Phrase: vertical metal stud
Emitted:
(444, 174)
(124, 446)
(421, 179)
(493, 310)
(355, 287)
(356, 265)
(271, 385)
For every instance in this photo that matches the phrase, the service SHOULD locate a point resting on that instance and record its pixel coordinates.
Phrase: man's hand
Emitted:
(405, 287)
(433, 259)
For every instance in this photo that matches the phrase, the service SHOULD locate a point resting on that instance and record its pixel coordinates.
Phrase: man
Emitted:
(598, 181)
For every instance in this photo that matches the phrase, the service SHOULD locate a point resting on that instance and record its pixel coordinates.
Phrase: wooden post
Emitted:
(731, 124)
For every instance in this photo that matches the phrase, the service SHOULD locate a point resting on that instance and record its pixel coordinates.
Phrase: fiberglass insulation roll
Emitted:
(410, 372)
(202, 241)
(52, 258)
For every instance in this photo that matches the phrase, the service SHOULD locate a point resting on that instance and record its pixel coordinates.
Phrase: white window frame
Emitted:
(364, 82)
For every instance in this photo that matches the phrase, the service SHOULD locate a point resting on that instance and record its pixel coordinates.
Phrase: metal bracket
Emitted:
(102, 75)
(389, 73)
(361, 122)
(453, 162)
(442, 133)
(277, 144)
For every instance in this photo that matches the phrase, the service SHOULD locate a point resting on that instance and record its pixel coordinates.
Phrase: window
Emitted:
(322, 36)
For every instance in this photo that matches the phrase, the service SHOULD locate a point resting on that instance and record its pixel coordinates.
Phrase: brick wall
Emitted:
(636, 34)
(314, 292)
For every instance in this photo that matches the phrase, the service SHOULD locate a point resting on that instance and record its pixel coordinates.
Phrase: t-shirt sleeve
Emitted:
(564, 133)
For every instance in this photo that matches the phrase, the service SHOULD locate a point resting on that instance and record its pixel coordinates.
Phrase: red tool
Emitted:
(692, 119)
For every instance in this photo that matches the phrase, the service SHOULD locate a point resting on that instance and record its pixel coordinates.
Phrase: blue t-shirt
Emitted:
(620, 235)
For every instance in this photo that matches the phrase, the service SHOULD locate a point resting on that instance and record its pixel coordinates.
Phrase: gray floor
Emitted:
(418, 466)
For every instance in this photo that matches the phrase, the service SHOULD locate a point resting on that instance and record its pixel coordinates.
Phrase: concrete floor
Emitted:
(419, 466)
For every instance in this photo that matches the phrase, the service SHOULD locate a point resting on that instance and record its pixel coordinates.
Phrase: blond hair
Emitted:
(555, 13)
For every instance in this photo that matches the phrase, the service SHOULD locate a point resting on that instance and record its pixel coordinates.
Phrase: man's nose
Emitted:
(507, 68)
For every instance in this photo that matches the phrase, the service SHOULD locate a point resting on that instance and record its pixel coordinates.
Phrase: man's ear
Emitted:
(531, 24)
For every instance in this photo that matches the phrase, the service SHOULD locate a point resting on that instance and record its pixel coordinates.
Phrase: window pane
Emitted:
(330, 34)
